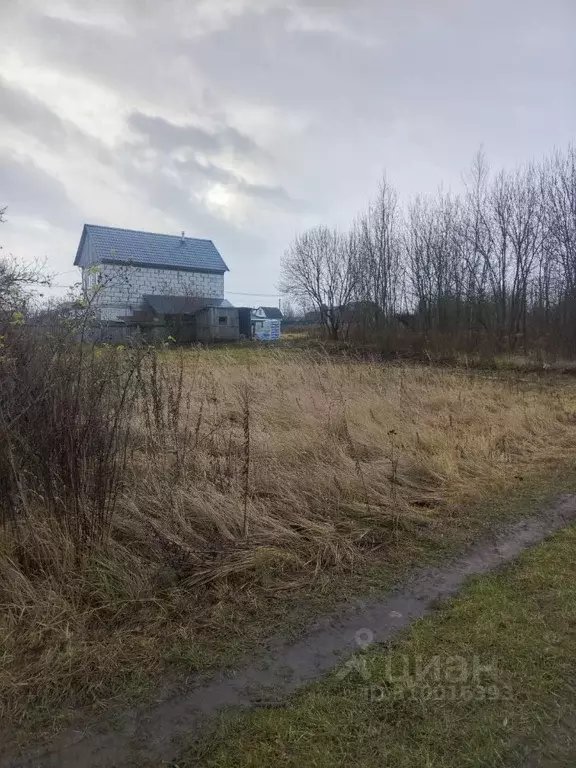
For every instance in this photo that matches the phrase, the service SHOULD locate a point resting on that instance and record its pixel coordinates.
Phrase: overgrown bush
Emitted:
(65, 415)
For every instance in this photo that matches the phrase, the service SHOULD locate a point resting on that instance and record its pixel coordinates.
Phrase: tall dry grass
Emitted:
(238, 478)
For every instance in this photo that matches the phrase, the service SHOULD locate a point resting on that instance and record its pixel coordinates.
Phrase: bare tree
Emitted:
(558, 267)
(17, 282)
(434, 256)
(319, 270)
(379, 268)
(477, 244)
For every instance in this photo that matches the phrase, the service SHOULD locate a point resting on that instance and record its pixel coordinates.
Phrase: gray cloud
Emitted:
(164, 194)
(28, 190)
(30, 115)
(191, 170)
(168, 136)
(133, 60)
(21, 111)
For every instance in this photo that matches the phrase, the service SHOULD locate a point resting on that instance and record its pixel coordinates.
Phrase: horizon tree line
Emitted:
(492, 267)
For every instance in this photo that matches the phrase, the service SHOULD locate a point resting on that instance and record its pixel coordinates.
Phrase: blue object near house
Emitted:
(266, 323)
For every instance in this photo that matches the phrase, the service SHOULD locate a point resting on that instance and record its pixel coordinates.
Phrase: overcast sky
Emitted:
(245, 121)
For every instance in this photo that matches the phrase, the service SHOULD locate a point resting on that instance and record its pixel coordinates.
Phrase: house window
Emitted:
(222, 320)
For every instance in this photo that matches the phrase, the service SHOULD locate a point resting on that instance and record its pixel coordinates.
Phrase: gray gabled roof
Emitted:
(181, 305)
(272, 313)
(109, 245)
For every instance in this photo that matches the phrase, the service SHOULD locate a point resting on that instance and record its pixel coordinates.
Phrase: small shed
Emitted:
(192, 318)
(217, 324)
(266, 323)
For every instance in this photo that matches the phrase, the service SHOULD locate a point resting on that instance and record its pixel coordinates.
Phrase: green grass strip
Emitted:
(488, 680)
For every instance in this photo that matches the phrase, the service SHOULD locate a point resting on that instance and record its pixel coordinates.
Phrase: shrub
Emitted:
(65, 416)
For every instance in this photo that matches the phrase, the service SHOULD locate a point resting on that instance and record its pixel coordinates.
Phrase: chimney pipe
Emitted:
(182, 238)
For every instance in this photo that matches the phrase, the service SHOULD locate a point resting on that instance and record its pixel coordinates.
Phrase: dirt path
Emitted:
(155, 733)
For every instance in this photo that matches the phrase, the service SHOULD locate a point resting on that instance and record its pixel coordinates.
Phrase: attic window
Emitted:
(222, 320)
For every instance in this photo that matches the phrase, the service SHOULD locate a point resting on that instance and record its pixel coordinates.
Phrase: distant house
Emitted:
(266, 323)
(128, 264)
(145, 278)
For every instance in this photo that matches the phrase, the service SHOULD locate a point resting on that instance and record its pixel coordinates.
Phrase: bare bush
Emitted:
(65, 411)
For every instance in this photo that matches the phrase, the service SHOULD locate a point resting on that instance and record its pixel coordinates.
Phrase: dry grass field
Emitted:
(253, 477)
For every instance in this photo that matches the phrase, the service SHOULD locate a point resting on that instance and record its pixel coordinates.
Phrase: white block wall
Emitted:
(123, 288)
